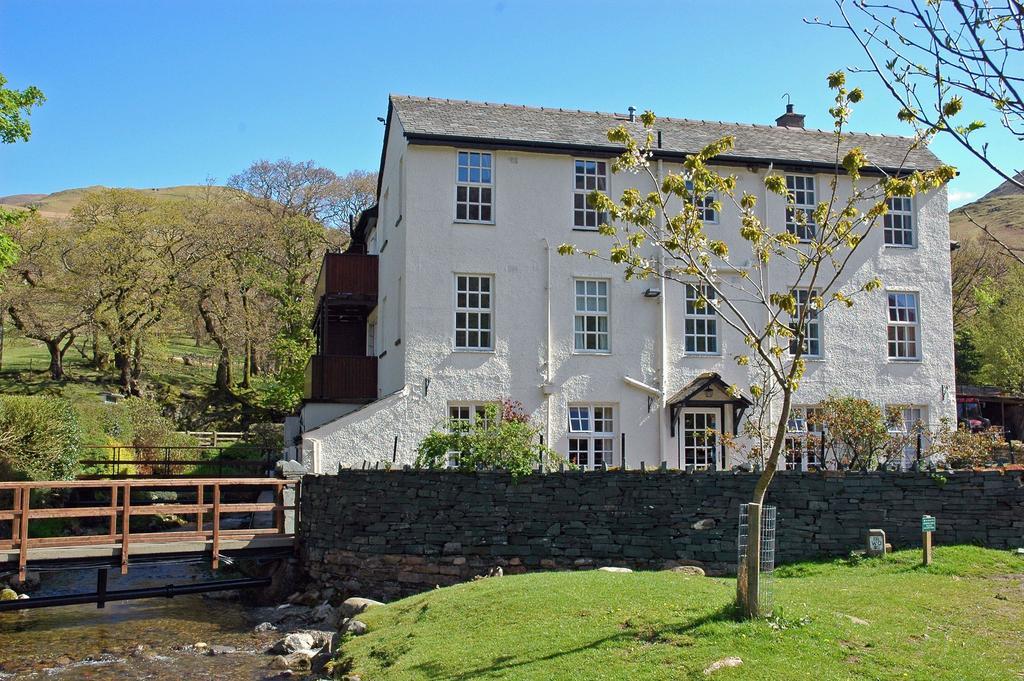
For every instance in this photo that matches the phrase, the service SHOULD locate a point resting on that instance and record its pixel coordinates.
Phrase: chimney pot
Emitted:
(632, 113)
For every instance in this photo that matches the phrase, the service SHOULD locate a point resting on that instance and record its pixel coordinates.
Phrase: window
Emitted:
(799, 214)
(899, 221)
(462, 415)
(705, 206)
(699, 437)
(812, 324)
(589, 176)
(473, 187)
(371, 339)
(913, 425)
(902, 328)
(591, 323)
(803, 439)
(700, 320)
(474, 321)
(591, 435)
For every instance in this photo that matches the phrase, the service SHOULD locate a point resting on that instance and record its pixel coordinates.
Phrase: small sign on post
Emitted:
(927, 527)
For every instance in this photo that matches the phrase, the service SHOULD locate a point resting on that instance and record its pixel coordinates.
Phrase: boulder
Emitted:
(688, 570)
(351, 607)
(722, 664)
(299, 661)
(292, 643)
(263, 627)
(355, 627)
(613, 569)
(323, 613)
(8, 595)
(222, 650)
(705, 524)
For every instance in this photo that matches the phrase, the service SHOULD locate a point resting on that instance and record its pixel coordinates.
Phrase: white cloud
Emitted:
(957, 197)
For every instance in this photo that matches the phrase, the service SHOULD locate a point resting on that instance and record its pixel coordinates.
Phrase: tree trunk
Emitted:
(223, 381)
(247, 365)
(56, 360)
(123, 364)
(3, 334)
(100, 359)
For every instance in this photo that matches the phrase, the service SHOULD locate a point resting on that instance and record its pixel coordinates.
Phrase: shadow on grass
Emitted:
(648, 633)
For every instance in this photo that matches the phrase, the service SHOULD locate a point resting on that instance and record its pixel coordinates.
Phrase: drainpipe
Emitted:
(662, 335)
(547, 343)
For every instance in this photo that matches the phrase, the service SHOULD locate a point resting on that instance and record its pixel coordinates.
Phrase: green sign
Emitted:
(927, 523)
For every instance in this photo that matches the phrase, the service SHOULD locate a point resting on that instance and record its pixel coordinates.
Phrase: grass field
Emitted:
(962, 618)
(168, 378)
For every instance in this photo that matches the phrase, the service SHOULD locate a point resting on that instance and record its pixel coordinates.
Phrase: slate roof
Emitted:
(457, 121)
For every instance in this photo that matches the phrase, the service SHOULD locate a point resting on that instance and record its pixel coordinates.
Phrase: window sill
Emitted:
(701, 354)
(474, 222)
(595, 230)
(901, 246)
(474, 351)
(592, 353)
(908, 360)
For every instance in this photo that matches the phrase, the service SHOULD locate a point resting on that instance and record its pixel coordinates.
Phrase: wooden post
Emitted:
(216, 525)
(752, 606)
(16, 520)
(26, 499)
(126, 516)
(202, 511)
(113, 514)
(926, 545)
(279, 511)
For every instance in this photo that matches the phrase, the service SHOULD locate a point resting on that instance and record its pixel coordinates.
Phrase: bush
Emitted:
(961, 448)
(139, 423)
(40, 438)
(860, 435)
(501, 438)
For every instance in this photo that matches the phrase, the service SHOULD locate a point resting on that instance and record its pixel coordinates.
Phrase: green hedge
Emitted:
(40, 438)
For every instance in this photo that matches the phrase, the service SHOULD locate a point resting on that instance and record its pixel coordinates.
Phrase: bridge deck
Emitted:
(10, 557)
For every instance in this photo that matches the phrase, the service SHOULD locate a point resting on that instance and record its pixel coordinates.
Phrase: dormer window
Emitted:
(474, 197)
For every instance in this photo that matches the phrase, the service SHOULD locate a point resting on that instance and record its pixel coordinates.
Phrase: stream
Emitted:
(151, 638)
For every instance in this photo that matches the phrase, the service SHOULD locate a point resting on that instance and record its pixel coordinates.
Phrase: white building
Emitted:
(453, 295)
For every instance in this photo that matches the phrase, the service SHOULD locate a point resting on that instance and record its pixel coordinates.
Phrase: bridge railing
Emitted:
(206, 499)
(123, 461)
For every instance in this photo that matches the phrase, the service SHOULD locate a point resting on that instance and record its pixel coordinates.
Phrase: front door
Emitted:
(698, 438)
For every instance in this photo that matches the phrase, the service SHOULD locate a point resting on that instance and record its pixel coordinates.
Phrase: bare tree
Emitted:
(937, 58)
(286, 188)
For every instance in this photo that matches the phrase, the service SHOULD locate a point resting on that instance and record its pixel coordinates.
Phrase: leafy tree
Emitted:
(949, 65)
(15, 108)
(994, 332)
(41, 295)
(502, 437)
(40, 438)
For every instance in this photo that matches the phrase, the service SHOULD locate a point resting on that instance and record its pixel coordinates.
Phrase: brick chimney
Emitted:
(790, 119)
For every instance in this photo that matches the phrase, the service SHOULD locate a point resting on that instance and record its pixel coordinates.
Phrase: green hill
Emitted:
(59, 204)
(1001, 210)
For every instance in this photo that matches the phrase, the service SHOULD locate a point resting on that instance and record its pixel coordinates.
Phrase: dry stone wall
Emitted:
(385, 534)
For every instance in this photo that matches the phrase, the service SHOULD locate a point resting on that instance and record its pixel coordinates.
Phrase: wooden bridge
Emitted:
(225, 520)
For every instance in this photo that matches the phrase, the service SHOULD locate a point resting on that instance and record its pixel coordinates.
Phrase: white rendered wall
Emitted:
(533, 203)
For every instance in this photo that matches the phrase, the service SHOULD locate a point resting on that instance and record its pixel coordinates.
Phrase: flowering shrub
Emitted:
(502, 437)
(962, 448)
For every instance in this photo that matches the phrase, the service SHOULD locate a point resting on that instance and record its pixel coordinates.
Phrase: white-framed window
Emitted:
(700, 320)
(474, 187)
(463, 415)
(911, 423)
(588, 176)
(800, 213)
(474, 312)
(812, 323)
(903, 328)
(705, 206)
(371, 338)
(591, 434)
(803, 439)
(590, 326)
(898, 222)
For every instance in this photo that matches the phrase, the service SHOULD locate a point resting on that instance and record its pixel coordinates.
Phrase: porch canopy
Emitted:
(708, 391)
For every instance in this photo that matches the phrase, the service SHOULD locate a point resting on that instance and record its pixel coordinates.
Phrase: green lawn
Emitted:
(962, 618)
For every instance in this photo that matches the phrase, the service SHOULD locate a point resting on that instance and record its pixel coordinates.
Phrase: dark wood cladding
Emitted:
(341, 378)
(348, 274)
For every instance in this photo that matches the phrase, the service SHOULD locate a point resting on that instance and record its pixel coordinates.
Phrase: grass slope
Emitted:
(961, 618)
(60, 203)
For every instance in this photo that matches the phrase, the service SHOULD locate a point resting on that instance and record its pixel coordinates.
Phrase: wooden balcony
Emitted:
(349, 275)
(341, 378)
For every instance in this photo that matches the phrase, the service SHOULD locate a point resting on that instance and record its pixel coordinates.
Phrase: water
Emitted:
(143, 639)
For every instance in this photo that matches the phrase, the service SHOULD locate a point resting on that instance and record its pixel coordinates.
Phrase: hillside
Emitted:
(1001, 210)
(60, 203)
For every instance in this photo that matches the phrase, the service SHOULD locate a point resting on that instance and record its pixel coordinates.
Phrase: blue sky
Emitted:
(154, 93)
